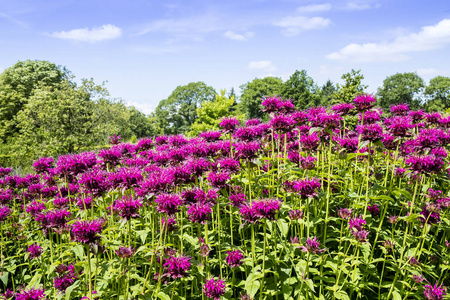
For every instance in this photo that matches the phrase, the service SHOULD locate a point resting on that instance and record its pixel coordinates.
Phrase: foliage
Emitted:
(438, 93)
(301, 89)
(351, 88)
(253, 91)
(401, 88)
(321, 210)
(211, 113)
(178, 112)
(326, 93)
(17, 85)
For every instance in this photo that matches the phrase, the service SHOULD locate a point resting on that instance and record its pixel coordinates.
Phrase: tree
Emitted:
(140, 124)
(401, 88)
(301, 89)
(177, 113)
(326, 93)
(17, 85)
(351, 88)
(252, 93)
(438, 93)
(67, 118)
(211, 113)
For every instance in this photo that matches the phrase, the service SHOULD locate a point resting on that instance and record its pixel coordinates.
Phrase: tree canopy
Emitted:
(178, 112)
(252, 92)
(301, 89)
(438, 94)
(401, 88)
(351, 88)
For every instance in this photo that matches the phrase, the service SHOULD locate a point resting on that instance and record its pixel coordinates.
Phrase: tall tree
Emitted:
(252, 93)
(326, 93)
(438, 94)
(401, 88)
(301, 89)
(140, 124)
(17, 85)
(177, 113)
(211, 113)
(351, 88)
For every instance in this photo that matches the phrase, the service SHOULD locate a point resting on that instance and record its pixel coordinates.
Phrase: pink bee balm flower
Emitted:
(214, 288)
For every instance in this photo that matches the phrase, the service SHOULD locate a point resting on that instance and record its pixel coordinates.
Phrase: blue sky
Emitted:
(145, 49)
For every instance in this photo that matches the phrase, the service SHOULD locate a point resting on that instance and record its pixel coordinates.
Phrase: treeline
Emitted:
(43, 112)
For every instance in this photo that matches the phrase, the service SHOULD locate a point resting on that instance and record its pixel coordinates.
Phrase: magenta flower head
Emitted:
(115, 139)
(35, 208)
(434, 292)
(247, 150)
(31, 294)
(84, 203)
(307, 187)
(218, 179)
(364, 102)
(111, 156)
(307, 163)
(128, 207)
(234, 258)
(237, 200)
(145, 144)
(34, 251)
(125, 252)
(357, 223)
(177, 267)
(5, 211)
(310, 142)
(296, 214)
(169, 223)
(167, 203)
(373, 209)
(199, 212)
(281, 123)
(345, 213)
(249, 213)
(214, 288)
(229, 124)
(8, 294)
(371, 132)
(342, 108)
(286, 106)
(66, 277)
(271, 104)
(267, 208)
(5, 171)
(43, 165)
(86, 232)
(210, 136)
(433, 118)
(252, 122)
(370, 117)
(400, 109)
(312, 246)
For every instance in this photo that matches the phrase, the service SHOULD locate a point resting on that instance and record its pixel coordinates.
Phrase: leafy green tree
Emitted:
(401, 88)
(326, 93)
(211, 113)
(67, 118)
(438, 93)
(301, 89)
(178, 112)
(18, 83)
(140, 124)
(252, 93)
(351, 88)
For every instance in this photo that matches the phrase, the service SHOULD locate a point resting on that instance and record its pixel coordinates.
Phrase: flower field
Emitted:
(310, 205)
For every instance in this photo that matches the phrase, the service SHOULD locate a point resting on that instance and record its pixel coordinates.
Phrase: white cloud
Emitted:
(265, 65)
(314, 8)
(294, 25)
(238, 37)
(96, 34)
(360, 5)
(428, 38)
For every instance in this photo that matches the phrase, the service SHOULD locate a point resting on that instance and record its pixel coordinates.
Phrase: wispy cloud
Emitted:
(360, 5)
(96, 34)
(265, 65)
(237, 36)
(13, 20)
(292, 26)
(158, 49)
(428, 38)
(314, 8)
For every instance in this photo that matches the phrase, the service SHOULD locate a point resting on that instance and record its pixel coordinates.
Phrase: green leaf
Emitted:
(143, 234)
(4, 278)
(252, 287)
(78, 251)
(284, 227)
(71, 288)
(396, 295)
(342, 295)
(35, 280)
(162, 295)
